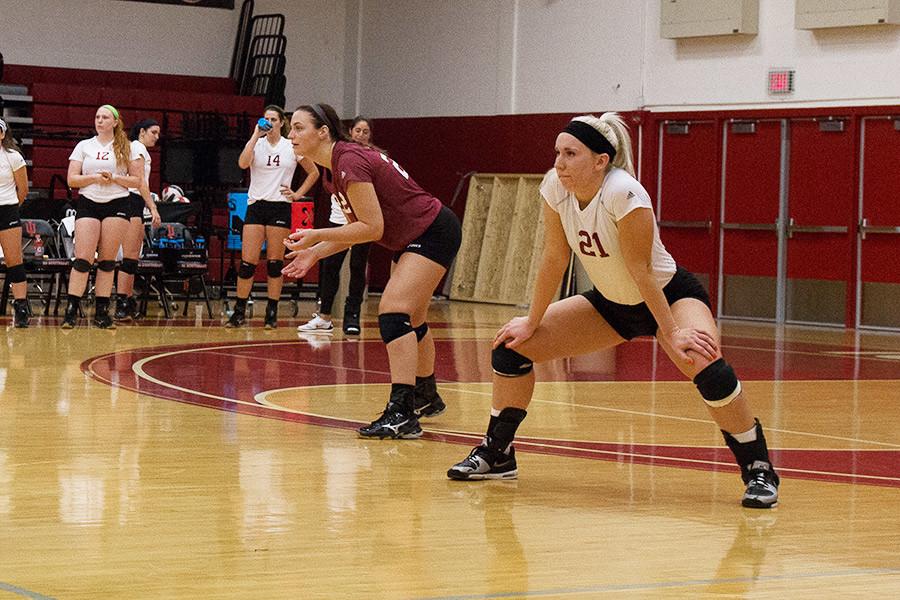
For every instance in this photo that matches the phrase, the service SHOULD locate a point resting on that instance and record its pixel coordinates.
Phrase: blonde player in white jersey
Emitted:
(103, 168)
(144, 135)
(593, 206)
(13, 189)
(270, 157)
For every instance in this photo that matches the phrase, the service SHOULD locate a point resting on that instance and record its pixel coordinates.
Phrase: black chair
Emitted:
(173, 256)
(45, 260)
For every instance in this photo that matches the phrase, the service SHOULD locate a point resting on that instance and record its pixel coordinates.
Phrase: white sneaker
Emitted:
(317, 324)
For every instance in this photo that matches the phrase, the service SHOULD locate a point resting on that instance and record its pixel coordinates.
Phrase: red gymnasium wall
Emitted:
(437, 151)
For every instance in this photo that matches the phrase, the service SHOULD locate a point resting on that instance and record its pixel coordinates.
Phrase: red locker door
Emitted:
(688, 195)
(750, 211)
(879, 235)
(821, 201)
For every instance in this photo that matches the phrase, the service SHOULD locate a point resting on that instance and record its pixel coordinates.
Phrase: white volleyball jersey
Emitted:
(271, 168)
(96, 157)
(139, 149)
(593, 233)
(10, 162)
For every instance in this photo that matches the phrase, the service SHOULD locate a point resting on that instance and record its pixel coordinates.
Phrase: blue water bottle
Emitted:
(263, 124)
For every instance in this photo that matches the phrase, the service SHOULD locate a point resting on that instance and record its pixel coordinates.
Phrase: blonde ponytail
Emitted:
(121, 146)
(613, 128)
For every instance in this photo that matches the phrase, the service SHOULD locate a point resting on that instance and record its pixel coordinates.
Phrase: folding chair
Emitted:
(45, 259)
(174, 256)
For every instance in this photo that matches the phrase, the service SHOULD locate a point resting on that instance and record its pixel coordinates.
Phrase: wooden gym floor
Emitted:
(178, 459)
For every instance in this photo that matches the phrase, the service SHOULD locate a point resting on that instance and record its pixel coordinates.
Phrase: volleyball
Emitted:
(172, 193)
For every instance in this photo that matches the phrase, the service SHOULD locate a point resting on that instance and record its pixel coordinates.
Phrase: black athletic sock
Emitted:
(402, 395)
(747, 454)
(102, 305)
(502, 428)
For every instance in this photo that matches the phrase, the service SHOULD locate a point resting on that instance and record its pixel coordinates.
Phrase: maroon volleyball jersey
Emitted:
(408, 210)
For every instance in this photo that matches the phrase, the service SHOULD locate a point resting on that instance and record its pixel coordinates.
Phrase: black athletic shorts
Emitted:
(633, 320)
(85, 208)
(440, 242)
(135, 206)
(267, 212)
(9, 216)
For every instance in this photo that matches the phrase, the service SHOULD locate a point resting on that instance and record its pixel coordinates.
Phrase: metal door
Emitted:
(687, 196)
(822, 195)
(878, 275)
(754, 178)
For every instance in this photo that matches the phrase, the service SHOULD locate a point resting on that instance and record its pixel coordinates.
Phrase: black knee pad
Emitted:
(274, 268)
(718, 384)
(81, 265)
(16, 274)
(247, 270)
(394, 325)
(421, 330)
(129, 266)
(106, 265)
(510, 363)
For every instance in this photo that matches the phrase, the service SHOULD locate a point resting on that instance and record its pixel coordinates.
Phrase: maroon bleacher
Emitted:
(69, 108)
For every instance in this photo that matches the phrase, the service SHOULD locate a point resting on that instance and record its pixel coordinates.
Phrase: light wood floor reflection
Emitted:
(178, 459)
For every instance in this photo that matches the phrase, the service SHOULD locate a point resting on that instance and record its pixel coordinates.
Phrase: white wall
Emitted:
(435, 58)
(316, 43)
(475, 57)
(471, 57)
(855, 65)
(119, 36)
(578, 55)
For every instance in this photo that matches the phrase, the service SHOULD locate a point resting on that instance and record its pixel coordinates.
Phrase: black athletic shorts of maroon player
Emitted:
(414, 220)
(267, 212)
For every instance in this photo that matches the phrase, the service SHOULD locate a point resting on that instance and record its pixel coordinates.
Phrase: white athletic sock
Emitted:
(746, 437)
(495, 412)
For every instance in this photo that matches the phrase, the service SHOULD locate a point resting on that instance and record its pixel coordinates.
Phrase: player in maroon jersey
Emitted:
(383, 204)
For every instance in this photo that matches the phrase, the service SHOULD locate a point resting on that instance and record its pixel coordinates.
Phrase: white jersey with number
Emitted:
(10, 162)
(271, 168)
(139, 149)
(96, 157)
(593, 233)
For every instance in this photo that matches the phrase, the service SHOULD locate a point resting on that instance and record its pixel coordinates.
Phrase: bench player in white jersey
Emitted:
(103, 167)
(13, 189)
(144, 135)
(594, 207)
(270, 157)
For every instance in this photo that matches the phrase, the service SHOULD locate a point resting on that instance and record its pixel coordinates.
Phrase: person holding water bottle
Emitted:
(270, 157)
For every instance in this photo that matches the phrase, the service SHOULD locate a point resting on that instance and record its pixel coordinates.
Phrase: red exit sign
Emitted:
(781, 81)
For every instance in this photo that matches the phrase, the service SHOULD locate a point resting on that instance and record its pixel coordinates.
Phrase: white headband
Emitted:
(3, 126)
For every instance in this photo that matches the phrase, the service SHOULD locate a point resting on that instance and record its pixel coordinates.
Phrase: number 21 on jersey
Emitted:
(590, 244)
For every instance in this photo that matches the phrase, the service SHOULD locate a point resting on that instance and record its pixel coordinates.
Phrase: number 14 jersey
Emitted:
(272, 167)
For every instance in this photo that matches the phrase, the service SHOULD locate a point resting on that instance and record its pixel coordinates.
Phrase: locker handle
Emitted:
(865, 228)
(686, 224)
(791, 228)
(750, 226)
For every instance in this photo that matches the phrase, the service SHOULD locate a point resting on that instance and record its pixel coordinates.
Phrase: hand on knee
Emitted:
(509, 363)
